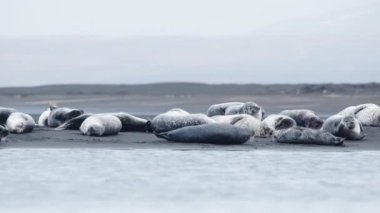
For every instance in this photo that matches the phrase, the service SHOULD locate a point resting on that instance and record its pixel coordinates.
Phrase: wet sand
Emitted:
(147, 102)
(50, 138)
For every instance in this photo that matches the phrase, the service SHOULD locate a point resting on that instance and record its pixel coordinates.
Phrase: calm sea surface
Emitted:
(102, 180)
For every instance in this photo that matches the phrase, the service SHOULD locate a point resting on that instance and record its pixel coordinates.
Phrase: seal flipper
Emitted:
(236, 119)
(359, 109)
(52, 107)
(339, 141)
(4, 132)
(74, 123)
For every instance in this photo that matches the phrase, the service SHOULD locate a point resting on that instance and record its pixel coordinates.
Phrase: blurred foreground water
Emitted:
(105, 180)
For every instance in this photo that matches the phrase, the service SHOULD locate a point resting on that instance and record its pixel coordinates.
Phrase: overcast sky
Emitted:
(241, 41)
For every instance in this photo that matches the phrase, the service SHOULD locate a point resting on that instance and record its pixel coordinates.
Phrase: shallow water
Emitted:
(104, 180)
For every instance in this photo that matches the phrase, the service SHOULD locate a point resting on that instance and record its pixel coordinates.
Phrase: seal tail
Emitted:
(339, 141)
(61, 127)
(163, 135)
(148, 126)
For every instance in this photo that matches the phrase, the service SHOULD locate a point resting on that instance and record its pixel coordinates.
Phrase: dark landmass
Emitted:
(195, 89)
(151, 99)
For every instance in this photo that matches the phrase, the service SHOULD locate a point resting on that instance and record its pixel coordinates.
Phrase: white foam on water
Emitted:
(102, 180)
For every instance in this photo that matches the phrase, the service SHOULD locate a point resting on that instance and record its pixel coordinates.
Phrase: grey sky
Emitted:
(242, 41)
(166, 17)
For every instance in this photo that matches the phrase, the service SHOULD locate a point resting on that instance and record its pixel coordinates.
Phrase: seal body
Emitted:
(74, 123)
(233, 108)
(367, 114)
(4, 114)
(177, 111)
(19, 123)
(177, 119)
(347, 127)
(278, 122)
(254, 125)
(353, 110)
(3, 132)
(129, 122)
(223, 134)
(43, 119)
(301, 135)
(304, 118)
(101, 125)
(60, 115)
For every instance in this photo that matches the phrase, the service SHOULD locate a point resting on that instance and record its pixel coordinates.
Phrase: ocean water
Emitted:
(104, 180)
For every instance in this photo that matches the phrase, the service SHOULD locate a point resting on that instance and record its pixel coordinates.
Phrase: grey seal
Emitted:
(60, 115)
(19, 123)
(304, 118)
(175, 119)
(233, 108)
(257, 127)
(129, 122)
(347, 127)
(277, 122)
(223, 134)
(5, 113)
(368, 114)
(101, 125)
(301, 135)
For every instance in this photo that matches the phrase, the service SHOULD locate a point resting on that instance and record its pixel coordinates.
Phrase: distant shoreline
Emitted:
(188, 88)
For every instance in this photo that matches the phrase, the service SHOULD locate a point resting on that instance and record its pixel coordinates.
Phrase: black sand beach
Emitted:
(50, 138)
(149, 100)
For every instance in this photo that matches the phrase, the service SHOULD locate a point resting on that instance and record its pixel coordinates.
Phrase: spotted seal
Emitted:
(19, 123)
(175, 119)
(304, 118)
(60, 115)
(257, 127)
(233, 108)
(302, 135)
(347, 127)
(101, 125)
(222, 134)
(368, 114)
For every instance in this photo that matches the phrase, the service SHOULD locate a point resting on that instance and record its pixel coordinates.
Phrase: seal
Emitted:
(368, 114)
(129, 122)
(43, 119)
(347, 127)
(222, 134)
(178, 111)
(4, 114)
(304, 118)
(19, 123)
(233, 108)
(172, 120)
(277, 122)
(353, 110)
(3, 132)
(60, 115)
(101, 125)
(257, 128)
(74, 123)
(301, 135)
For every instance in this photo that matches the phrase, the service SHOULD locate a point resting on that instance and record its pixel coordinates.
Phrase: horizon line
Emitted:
(188, 83)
